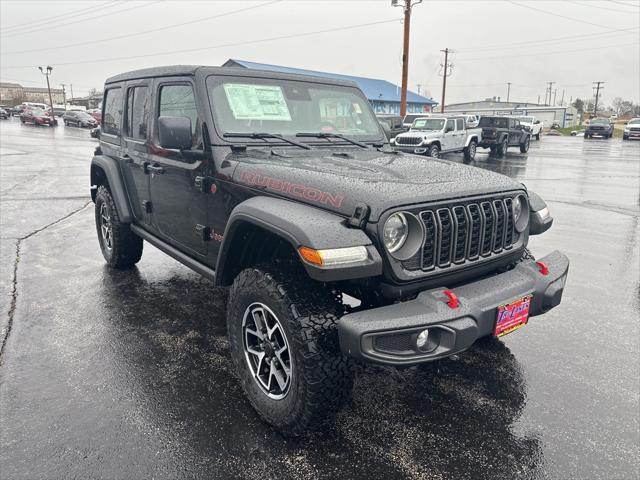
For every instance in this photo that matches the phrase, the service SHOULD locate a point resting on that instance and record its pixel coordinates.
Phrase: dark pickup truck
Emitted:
(336, 248)
(500, 133)
(600, 127)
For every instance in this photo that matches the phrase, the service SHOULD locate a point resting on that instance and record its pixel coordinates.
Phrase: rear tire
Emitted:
(524, 147)
(315, 379)
(470, 151)
(120, 247)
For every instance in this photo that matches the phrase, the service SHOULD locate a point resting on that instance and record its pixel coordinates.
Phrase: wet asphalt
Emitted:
(108, 374)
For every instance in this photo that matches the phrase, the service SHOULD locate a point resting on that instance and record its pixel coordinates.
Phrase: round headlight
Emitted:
(395, 232)
(520, 213)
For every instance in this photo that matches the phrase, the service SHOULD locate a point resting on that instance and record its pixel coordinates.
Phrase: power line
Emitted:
(560, 16)
(73, 13)
(551, 41)
(135, 34)
(600, 7)
(632, 5)
(213, 47)
(474, 59)
(22, 32)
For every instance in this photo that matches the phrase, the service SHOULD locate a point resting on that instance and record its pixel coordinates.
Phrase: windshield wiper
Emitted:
(262, 136)
(332, 135)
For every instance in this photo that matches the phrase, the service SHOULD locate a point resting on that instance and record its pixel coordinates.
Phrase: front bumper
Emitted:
(387, 335)
(417, 149)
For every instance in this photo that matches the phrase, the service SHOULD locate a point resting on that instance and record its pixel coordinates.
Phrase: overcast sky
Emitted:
(527, 43)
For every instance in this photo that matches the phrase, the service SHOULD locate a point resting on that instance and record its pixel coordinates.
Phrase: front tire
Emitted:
(524, 147)
(433, 151)
(502, 148)
(120, 247)
(470, 151)
(274, 310)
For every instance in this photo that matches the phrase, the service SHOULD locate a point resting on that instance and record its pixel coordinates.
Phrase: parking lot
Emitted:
(109, 374)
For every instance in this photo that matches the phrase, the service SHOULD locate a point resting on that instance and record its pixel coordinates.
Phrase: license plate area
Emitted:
(512, 316)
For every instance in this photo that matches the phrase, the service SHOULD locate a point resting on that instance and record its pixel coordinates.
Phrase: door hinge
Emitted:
(147, 205)
(359, 217)
(205, 184)
(203, 232)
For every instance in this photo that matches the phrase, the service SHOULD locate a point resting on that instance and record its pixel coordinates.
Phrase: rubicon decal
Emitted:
(294, 189)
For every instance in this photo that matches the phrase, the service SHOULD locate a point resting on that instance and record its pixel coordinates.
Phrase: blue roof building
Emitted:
(384, 96)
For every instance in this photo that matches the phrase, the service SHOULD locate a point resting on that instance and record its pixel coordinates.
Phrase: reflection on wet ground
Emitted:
(127, 374)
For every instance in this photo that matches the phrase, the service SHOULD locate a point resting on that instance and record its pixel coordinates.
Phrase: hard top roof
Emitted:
(190, 70)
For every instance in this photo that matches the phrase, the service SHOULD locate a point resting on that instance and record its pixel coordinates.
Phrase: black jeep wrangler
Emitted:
(336, 248)
(500, 133)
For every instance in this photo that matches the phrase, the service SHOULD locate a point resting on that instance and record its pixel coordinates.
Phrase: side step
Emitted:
(183, 258)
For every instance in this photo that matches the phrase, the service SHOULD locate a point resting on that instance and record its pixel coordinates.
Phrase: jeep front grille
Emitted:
(461, 233)
(408, 140)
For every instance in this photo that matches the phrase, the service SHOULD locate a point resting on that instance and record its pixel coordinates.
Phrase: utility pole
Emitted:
(446, 65)
(64, 96)
(597, 89)
(508, 90)
(562, 99)
(418, 85)
(538, 99)
(71, 85)
(46, 71)
(548, 93)
(405, 50)
(554, 96)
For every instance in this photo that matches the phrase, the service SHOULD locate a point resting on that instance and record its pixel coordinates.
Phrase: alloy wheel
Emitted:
(106, 227)
(266, 350)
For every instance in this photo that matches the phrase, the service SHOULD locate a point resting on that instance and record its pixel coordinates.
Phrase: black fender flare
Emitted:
(300, 225)
(111, 171)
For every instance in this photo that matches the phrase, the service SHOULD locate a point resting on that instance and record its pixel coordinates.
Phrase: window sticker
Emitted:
(257, 102)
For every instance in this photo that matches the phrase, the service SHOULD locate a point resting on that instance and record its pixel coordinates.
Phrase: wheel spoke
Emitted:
(259, 318)
(274, 372)
(256, 333)
(278, 354)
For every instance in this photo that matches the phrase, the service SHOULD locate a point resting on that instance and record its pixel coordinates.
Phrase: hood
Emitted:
(422, 133)
(340, 179)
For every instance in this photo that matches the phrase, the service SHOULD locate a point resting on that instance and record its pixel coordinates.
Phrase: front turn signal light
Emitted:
(334, 256)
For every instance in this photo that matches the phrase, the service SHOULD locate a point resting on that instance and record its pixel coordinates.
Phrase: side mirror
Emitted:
(174, 132)
(537, 122)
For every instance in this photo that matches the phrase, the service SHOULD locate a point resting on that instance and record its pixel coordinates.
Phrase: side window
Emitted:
(451, 125)
(137, 112)
(179, 101)
(460, 123)
(112, 112)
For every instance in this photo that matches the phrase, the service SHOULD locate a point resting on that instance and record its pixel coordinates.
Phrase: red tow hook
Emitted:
(453, 299)
(542, 268)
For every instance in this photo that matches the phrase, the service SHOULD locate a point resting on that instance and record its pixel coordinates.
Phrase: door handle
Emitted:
(155, 169)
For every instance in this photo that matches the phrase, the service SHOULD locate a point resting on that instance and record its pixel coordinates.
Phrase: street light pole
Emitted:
(405, 51)
(46, 72)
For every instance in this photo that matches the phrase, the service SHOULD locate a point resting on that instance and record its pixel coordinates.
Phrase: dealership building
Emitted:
(548, 114)
(384, 96)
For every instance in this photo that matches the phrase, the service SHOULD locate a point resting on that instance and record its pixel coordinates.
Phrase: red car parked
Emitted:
(96, 114)
(37, 116)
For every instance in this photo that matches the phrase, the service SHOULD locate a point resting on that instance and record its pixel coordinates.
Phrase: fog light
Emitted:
(422, 341)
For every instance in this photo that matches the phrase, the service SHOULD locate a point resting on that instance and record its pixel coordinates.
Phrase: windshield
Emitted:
(428, 124)
(287, 107)
(497, 122)
(600, 121)
(526, 119)
(635, 121)
(37, 111)
(83, 115)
